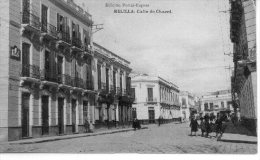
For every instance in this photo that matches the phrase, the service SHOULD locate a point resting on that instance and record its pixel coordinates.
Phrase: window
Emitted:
(44, 19)
(99, 75)
(183, 101)
(60, 23)
(86, 37)
(150, 94)
(133, 92)
(206, 107)
(107, 79)
(114, 80)
(121, 82)
(211, 106)
(222, 104)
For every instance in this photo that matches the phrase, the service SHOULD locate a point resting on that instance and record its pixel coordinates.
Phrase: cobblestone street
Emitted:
(168, 138)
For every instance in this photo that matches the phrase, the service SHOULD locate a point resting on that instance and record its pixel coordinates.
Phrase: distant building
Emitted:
(155, 97)
(244, 78)
(215, 102)
(188, 105)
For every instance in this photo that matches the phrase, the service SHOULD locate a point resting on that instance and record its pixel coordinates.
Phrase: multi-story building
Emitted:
(50, 75)
(155, 97)
(243, 36)
(216, 102)
(113, 83)
(187, 102)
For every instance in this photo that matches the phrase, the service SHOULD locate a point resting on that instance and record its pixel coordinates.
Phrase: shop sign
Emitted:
(15, 53)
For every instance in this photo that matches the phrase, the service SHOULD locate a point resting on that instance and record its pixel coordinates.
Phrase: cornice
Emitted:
(72, 11)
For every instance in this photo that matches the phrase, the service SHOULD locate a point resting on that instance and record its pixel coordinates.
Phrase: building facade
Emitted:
(155, 97)
(113, 85)
(244, 81)
(188, 105)
(216, 102)
(50, 71)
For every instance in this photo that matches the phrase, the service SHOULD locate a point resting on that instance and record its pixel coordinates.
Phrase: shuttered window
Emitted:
(150, 94)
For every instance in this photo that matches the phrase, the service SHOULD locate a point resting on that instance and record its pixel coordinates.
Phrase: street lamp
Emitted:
(115, 114)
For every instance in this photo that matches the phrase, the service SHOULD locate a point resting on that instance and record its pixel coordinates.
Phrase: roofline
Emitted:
(98, 45)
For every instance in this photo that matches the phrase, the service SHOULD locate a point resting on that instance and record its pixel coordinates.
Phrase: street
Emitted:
(168, 138)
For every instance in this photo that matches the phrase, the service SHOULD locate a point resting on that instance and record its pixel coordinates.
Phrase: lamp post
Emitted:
(115, 114)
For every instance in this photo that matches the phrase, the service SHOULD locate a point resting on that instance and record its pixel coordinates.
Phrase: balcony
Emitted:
(48, 77)
(88, 85)
(30, 73)
(112, 89)
(119, 91)
(64, 39)
(151, 100)
(49, 31)
(30, 22)
(64, 79)
(77, 45)
(87, 49)
(77, 82)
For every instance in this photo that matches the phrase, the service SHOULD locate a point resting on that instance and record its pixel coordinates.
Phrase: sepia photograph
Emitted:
(172, 77)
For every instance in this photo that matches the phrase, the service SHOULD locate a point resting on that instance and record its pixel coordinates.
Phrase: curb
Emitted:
(72, 137)
(238, 141)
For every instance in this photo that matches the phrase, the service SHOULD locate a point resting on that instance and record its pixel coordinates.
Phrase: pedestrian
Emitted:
(207, 125)
(87, 126)
(134, 123)
(202, 126)
(194, 125)
(160, 120)
(218, 124)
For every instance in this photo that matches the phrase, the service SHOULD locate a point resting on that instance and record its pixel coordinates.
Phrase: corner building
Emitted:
(244, 77)
(47, 80)
(155, 97)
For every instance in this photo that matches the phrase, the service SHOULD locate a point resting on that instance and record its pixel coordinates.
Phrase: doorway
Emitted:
(151, 115)
(25, 114)
(73, 112)
(61, 115)
(45, 115)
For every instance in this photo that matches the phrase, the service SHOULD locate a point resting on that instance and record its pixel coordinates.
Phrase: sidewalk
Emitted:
(238, 134)
(63, 137)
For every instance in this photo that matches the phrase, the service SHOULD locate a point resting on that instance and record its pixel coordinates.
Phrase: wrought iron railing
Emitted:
(77, 82)
(119, 91)
(151, 99)
(64, 36)
(64, 79)
(32, 71)
(48, 75)
(31, 19)
(76, 42)
(88, 85)
(50, 29)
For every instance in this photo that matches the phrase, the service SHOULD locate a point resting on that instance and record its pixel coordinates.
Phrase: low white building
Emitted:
(155, 97)
(188, 104)
(215, 102)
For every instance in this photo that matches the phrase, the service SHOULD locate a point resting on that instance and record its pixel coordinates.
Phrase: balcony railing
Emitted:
(112, 89)
(88, 85)
(151, 100)
(64, 36)
(31, 20)
(77, 82)
(50, 29)
(64, 79)
(119, 91)
(48, 75)
(76, 42)
(32, 71)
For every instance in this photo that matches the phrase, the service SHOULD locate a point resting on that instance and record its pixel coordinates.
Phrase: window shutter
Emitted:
(58, 22)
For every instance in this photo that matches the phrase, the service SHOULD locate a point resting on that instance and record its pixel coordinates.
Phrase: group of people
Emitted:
(209, 124)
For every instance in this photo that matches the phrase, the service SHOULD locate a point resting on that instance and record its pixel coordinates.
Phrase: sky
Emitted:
(185, 47)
